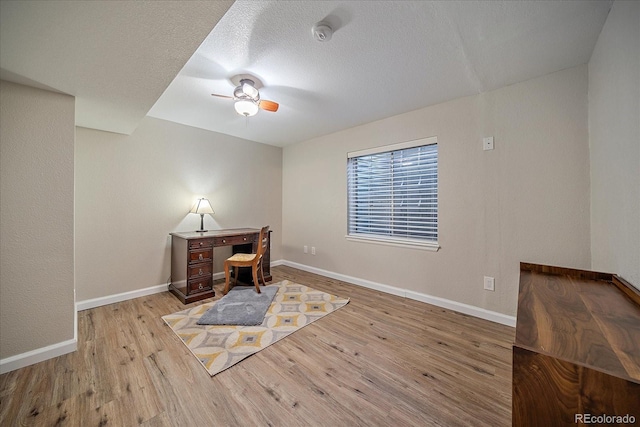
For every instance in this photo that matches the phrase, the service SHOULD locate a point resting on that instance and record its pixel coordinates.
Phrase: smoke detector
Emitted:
(322, 32)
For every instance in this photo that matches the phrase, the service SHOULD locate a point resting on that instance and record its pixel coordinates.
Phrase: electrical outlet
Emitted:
(306, 249)
(489, 283)
(313, 250)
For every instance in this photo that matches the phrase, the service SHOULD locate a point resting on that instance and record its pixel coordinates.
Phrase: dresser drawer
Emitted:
(200, 244)
(199, 285)
(200, 255)
(234, 240)
(200, 271)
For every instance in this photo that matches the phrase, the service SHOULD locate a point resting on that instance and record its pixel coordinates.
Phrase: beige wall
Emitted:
(132, 191)
(527, 200)
(36, 219)
(614, 139)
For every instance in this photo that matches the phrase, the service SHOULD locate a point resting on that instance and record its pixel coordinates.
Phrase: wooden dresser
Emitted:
(576, 355)
(192, 259)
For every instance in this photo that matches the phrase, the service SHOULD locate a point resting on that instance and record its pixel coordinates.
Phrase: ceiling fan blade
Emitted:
(269, 105)
(222, 96)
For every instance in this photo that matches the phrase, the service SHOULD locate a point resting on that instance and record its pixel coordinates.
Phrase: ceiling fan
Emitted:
(247, 96)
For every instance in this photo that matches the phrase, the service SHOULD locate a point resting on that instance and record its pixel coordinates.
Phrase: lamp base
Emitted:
(202, 230)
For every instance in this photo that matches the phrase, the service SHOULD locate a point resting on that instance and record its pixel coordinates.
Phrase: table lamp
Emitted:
(202, 207)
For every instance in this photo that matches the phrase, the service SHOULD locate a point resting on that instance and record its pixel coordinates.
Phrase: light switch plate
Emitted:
(489, 283)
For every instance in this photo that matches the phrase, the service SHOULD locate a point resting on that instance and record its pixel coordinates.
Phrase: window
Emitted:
(393, 194)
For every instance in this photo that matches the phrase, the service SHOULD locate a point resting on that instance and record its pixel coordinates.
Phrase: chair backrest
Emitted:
(263, 241)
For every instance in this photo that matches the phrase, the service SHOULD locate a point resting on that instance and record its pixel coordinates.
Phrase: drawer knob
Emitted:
(245, 239)
(200, 272)
(200, 257)
(224, 241)
(200, 286)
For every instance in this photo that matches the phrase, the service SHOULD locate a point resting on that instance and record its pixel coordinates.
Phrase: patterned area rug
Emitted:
(218, 347)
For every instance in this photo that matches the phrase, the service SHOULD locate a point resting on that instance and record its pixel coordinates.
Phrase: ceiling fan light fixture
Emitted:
(246, 108)
(248, 89)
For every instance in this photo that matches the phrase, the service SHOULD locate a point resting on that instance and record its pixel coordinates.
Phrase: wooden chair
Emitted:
(248, 260)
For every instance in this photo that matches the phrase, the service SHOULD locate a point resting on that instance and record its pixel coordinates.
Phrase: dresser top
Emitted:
(579, 316)
(215, 233)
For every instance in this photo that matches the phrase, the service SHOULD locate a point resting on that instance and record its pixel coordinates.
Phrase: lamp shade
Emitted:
(202, 206)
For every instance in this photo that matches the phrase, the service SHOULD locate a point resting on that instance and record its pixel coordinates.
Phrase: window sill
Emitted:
(402, 243)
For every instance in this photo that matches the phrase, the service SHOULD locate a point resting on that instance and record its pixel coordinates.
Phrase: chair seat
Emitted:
(241, 257)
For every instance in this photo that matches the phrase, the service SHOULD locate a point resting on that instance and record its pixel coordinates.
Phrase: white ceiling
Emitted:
(115, 57)
(385, 57)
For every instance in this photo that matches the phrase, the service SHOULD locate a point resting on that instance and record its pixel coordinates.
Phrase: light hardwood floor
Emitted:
(381, 360)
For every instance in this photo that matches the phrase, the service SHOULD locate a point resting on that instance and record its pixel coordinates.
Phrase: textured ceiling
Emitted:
(385, 57)
(115, 57)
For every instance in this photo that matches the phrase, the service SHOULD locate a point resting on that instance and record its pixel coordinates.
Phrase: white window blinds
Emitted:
(393, 192)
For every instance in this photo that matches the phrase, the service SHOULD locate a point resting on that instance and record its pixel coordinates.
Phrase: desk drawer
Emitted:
(199, 285)
(200, 255)
(200, 244)
(200, 271)
(234, 240)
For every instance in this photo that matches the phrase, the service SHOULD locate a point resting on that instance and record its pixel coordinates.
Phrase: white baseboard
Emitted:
(110, 299)
(471, 310)
(39, 355)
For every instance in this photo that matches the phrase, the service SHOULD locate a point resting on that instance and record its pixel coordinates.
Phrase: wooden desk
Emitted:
(192, 259)
(577, 347)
